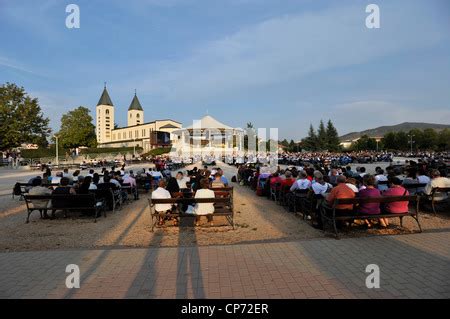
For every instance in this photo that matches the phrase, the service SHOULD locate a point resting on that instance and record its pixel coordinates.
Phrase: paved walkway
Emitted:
(411, 266)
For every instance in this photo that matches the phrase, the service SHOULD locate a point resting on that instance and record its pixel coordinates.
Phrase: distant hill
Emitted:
(382, 130)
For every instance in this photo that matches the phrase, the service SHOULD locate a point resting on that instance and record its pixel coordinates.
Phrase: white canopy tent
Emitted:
(209, 136)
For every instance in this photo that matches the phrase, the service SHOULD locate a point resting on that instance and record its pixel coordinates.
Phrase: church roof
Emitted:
(105, 99)
(135, 104)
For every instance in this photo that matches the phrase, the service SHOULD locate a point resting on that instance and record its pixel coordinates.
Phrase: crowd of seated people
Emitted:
(63, 183)
(196, 183)
(327, 183)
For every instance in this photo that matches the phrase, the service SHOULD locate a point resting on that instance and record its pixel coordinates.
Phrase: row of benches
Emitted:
(65, 203)
(356, 214)
(306, 202)
(95, 203)
(223, 205)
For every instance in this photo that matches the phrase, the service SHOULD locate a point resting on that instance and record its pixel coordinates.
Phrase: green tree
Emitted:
(77, 129)
(333, 142)
(284, 143)
(430, 139)
(292, 146)
(418, 139)
(365, 143)
(21, 118)
(443, 141)
(322, 138)
(389, 141)
(401, 141)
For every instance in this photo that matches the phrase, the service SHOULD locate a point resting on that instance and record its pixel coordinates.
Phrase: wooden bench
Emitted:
(110, 195)
(141, 183)
(355, 214)
(228, 190)
(24, 190)
(435, 193)
(223, 206)
(225, 190)
(414, 187)
(66, 203)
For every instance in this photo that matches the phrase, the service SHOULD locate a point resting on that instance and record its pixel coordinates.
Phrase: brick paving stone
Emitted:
(411, 266)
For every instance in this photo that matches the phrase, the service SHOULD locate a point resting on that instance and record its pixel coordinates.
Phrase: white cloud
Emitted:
(8, 63)
(288, 48)
(54, 106)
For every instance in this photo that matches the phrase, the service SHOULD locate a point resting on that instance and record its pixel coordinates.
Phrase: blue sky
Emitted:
(276, 63)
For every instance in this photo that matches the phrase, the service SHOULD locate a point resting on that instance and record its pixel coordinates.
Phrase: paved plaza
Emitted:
(411, 266)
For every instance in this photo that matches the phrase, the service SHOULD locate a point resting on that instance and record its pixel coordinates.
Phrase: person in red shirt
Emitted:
(341, 191)
(288, 181)
(338, 192)
(274, 180)
(395, 189)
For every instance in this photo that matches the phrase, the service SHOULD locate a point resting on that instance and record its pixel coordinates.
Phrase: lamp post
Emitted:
(57, 154)
(411, 141)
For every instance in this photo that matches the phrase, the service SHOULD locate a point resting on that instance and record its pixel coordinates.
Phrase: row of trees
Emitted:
(325, 139)
(22, 121)
(417, 140)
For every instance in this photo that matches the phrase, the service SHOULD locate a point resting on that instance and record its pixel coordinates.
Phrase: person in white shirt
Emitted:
(362, 171)
(66, 174)
(351, 183)
(319, 186)
(91, 173)
(115, 182)
(182, 180)
(155, 174)
(202, 209)
(56, 179)
(161, 193)
(38, 189)
(301, 183)
(128, 179)
(380, 177)
(437, 181)
(422, 178)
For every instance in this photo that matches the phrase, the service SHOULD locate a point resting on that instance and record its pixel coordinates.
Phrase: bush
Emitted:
(115, 150)
(43, 152)
(157, 151)
(51, 151)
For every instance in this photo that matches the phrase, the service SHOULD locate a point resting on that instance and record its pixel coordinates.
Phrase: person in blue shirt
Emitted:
(223, 178)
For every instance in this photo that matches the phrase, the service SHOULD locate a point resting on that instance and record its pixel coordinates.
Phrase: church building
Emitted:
(148, 135)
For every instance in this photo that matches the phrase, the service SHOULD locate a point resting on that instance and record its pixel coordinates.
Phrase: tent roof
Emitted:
(210, 122)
